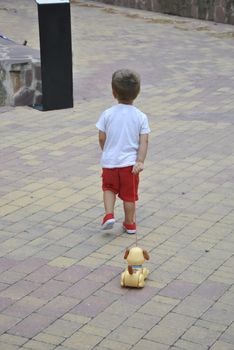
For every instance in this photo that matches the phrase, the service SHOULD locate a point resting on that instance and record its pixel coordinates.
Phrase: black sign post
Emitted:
(56, 54)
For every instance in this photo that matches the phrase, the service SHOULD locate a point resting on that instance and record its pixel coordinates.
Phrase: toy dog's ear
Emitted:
(146, 255)
(126, 253)
(130, 269)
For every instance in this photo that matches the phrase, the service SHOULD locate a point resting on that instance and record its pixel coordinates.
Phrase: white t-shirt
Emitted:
(123, 125)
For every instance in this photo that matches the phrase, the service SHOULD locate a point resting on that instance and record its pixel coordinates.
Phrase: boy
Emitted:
(123, 138)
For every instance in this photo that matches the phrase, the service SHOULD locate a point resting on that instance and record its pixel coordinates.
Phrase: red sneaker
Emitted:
(129, 228)
(108, 222)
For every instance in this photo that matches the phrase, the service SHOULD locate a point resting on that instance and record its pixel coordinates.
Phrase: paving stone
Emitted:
(49, 338)
(164, 335)
(44, 274)
(227, 298)
(114, 345)
(127, 335)
(31, 325)
(220, 345)
(80, 251)
(142, 321)
(193, 306)
(81, 339)
(92, 306)
(187, 345)
(58, 233)
(82, 289)
(6, 322)
(50, 289)
(193, 276)
(95, 330)
(178, 289)
(37, 345)
(104, 274)
(76, 318)
(227, 336)
(8, 346)
(121, 307)
(110, 296)
(201, 336)
(12, 339)
(23, 307)
(73, 274)
(72, 240)
(140, 296)
(58, 306)
(5, 302)
(211, 290)
(166, 300)
(113, 287)
(19, 289)
(98, 259)
(62, 328)
(173, 320)
(65, 215)
(157, 309)
(220, 313)
(62, 262)
(51, 252)
(60, 347)
(107, 320)
(148, 345)
(6, 263)
(211, 325)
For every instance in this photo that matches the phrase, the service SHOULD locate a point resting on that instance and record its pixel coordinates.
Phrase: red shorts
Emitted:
(121, 181)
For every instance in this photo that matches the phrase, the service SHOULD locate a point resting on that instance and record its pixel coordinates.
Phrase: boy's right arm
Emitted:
(101, 138)
(139, 166)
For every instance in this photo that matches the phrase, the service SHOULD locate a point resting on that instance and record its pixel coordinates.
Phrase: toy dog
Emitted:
(135, 274)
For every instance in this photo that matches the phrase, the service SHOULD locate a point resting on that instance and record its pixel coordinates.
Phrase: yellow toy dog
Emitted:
(135, 274)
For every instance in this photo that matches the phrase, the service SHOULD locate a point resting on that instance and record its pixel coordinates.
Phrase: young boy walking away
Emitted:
(123, 138)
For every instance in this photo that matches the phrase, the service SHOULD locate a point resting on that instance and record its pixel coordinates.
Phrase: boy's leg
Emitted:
(129, 224)
(129, 211)
(110, 188)
(109, 203)
(128, 193)
(109, 198)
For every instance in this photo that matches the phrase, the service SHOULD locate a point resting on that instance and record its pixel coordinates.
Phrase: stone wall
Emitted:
(221, 11)
(20, 75)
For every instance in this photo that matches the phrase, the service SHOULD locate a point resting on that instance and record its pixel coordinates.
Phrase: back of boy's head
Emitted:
(126, 84)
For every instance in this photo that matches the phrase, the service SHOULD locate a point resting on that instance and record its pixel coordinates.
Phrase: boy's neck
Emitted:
(124, 102)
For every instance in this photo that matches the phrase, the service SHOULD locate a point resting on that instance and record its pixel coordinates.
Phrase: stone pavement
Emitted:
(60, 274)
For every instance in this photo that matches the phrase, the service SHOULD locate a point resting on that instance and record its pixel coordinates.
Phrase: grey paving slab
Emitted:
(59, 273)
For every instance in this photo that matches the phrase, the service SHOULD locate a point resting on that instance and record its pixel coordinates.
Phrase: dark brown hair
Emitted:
(126, 84)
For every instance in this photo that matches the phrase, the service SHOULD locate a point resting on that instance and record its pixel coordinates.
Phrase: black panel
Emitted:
(56, 56)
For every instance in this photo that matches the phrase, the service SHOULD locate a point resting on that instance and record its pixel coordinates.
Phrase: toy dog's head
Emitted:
(135, 257)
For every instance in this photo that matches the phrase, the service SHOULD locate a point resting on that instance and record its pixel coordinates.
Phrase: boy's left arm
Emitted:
(139, 166)
(101, 138)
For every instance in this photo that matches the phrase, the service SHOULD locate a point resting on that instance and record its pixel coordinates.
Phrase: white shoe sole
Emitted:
(130, 232)
(108, 224)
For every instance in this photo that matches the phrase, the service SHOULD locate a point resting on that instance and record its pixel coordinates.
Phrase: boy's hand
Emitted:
(138, 167)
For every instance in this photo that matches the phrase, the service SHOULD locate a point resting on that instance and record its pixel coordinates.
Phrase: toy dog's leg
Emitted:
(145, 272)
(122, 279)
(141, 281)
